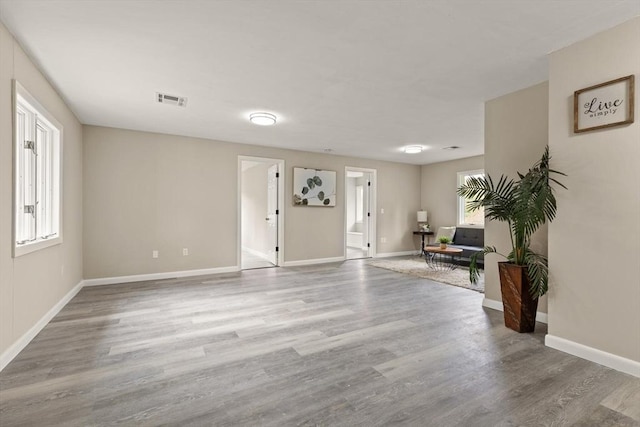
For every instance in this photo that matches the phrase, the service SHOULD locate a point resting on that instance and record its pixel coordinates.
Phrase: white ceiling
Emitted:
(362, 78)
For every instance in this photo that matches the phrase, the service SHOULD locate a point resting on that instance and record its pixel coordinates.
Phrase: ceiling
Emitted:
(359, 78)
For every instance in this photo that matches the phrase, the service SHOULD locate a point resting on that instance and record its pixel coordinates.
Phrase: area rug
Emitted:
(416, 266)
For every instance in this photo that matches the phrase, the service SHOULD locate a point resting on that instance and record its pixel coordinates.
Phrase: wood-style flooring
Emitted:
(343, 344)
(251, 261)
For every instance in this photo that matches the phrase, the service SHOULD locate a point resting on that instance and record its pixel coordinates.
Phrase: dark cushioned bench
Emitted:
(470, 240)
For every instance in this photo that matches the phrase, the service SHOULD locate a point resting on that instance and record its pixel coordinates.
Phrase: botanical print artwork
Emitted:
(314, 187)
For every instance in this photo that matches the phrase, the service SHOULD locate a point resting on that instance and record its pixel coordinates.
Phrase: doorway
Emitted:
(359, 213)
(260, 212)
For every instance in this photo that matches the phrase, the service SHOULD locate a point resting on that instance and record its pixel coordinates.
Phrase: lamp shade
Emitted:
(422, 216)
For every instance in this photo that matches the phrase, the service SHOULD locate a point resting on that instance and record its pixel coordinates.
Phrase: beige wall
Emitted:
(594, 245)
(146, 191)
(516, 133)
(438, 189)
(32, 284)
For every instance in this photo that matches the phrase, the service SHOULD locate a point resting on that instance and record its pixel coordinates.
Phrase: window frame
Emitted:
(460, 201)
(23, 101)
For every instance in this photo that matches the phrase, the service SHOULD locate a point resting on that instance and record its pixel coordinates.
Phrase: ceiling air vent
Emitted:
(163, 98)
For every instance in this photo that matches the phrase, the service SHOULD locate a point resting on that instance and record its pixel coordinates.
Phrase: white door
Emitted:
(366, 207)
(359, 216)
(272, 214)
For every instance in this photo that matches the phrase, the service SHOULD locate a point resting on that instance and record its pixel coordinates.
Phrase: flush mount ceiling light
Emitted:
(413, 149)
(453, 147)
(262, 119)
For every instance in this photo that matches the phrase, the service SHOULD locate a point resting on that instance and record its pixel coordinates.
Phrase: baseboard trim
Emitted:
(312, 261)
(15, 348)
(259, 254)
(392, 254)
(609, 360)
(158, 276)
(497, 305)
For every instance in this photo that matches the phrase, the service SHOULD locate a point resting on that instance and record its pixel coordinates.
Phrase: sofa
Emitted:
(470, 240)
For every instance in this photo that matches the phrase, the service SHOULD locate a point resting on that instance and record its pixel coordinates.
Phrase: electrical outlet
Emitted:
(383, 240)
(155, 254)
(185, 251)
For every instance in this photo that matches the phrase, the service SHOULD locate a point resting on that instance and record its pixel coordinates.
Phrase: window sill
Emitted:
(36, 246)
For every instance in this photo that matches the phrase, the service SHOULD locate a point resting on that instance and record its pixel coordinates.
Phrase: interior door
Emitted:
(272, 214)
(366, 203)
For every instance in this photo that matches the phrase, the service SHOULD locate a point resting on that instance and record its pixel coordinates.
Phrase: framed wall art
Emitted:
(604, 105)
(314, 187)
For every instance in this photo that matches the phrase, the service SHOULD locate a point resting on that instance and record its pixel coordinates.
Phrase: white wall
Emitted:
(32, 284)
(594, 245)
(350, 192)
(255, 231)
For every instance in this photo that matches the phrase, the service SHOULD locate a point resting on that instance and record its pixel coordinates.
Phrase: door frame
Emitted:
(372, 208)
(281, 197)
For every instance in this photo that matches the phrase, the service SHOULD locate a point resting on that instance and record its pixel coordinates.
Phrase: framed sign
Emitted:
(314, 187)
(605, 105)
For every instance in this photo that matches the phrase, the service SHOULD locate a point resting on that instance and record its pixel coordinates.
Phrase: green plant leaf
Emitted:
(525, 205)
(537, 272)
(305, 190)
(326, 201)
(317, 180)
(310, 183)
(474, 270)
(305, 202)
(321, 195)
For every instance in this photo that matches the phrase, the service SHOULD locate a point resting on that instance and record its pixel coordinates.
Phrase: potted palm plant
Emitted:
(524, 205)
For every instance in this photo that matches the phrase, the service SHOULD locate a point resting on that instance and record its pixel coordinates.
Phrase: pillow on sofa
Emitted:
(446, 232)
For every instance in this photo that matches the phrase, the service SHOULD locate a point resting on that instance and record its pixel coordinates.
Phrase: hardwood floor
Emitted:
(338, 344)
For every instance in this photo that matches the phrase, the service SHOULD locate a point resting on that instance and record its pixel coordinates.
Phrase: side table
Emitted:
(423, 233)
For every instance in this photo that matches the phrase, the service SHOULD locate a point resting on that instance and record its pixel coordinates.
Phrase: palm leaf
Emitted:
(525, 205)
(538, 273)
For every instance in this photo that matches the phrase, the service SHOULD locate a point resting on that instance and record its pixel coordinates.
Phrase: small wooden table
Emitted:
(423, 233)
(437, 258)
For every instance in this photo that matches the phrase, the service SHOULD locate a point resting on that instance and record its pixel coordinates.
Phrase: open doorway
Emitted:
(359, 213)
(260, 212)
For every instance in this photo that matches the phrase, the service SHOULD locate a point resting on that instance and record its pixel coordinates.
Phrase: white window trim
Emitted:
(19, 250)
(460, 208)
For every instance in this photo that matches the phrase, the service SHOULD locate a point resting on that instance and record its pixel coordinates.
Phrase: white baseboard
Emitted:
(497, 305)
(610, 360)
(158, 276)
(392, 254)
(9, 354)
(312, 261)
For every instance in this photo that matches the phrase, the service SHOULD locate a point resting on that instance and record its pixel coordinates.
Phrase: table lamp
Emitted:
(422, 221)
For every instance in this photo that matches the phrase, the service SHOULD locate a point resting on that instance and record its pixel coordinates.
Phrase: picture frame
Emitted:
(604, 105)
(314, 187)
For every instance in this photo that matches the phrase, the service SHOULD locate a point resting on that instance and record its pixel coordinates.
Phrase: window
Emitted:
(38, 145)
(466, 217)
